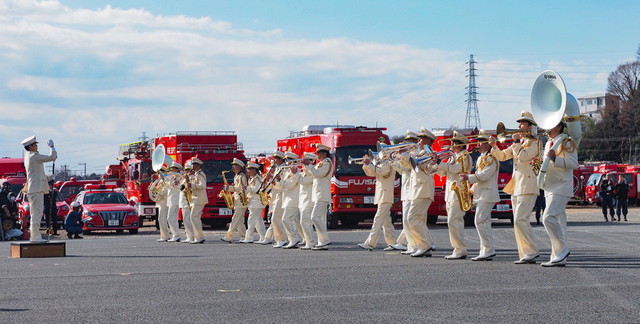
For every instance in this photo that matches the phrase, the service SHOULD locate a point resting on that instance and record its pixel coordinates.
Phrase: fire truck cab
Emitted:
(630, 173)
(352, 191)
(135, 168)
(216, 149)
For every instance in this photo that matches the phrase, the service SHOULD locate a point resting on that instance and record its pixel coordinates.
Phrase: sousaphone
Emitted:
(159, 158)
(551, 104)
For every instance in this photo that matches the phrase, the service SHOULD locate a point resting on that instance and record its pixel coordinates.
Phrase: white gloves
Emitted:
(50, 143)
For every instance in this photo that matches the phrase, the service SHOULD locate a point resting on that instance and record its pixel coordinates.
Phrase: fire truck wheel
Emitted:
(432, 219)
(120, 231)
(157, 225)
(332, 220)
(349, 221)
(133, 231)
(469, 219)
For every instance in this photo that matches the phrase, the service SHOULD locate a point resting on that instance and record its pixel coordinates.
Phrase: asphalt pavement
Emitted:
(132, 278)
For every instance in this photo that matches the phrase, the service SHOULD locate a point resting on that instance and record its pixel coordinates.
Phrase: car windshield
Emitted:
(104, 198)
(58, 197)
(213, 170)
(593, 179)
(68, 190)
(342, 154)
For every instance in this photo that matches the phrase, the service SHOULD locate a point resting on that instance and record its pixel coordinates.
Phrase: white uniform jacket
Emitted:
(421, 182)
(291, 192)
(451, 169)
(252, 192)
(521, 153)
(36, 178)
(306, 189)
(405, 174)
(199, 188)
(238, 186)
(385, 178)
(559, 176)
(485, 180)
(322, 173)
(173, 181)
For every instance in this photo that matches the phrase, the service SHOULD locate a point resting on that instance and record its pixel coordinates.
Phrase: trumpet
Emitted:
(417, 162)
(371, 154)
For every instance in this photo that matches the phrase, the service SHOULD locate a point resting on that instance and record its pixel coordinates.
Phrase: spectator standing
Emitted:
(607, 198)
(541, 203)
(622, 189)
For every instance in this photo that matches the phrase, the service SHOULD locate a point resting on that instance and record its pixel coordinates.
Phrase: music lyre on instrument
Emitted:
(551, 104)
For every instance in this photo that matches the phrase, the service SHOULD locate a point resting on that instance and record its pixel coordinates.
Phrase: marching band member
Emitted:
(525, 190)
(321, 196)
(558, 189)
(485, 195)
(158, 193)
(184, 204)
(199, 199)
(290, 202)
(455, 215)
(174, 181)
(305, 203)
(385, 177)
(422, 193)
(238, 188)
(254, 222)
(276, 229)
(405, 192)
(36, 185)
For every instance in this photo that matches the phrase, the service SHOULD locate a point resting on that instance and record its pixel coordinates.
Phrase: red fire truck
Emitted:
(216, 149)
(352, 192)
(12, 170)
(502, 209)
(631, 174)
(580, 176)
(135, 168)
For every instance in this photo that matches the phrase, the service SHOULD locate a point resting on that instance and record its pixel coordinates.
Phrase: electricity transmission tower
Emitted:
(472, 120)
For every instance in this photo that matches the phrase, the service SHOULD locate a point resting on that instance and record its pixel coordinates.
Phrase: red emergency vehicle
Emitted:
(12, 170)
(136, 171)
(501, 210)
(70, 189)
(630, 173)
(352, 192)
(105, 209)
(580, 176)
(216, 149)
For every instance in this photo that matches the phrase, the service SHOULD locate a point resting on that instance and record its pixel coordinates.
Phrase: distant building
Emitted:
(592, 105)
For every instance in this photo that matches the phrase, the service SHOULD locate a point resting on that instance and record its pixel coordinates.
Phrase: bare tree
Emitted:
(624, 81)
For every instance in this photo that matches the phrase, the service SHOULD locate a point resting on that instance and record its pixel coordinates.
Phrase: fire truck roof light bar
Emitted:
(209, 148)
(199, 133)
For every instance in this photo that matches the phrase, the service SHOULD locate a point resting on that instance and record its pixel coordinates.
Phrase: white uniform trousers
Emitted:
(402, 238)
(307, 225)
(237, 223)
(255, 224)
(522, 207)
(319, 219)
(483, 226)
(382, 221)
(36, 205)
(172, 219)
(163, 211)
(196, 221)
(555, 222)
(417, 219)
(186, 222)
(455, 223)
(290, 219)
(276, 229)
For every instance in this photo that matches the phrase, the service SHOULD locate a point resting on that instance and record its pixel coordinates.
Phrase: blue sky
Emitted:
(92, 74)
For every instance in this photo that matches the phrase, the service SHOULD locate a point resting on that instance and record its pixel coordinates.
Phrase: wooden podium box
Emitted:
(38, 250)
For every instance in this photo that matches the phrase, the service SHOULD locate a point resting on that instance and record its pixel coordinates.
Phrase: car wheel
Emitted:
(85, 232)
(332, 220)
(432, 219)
(119, 231)
(469, 219)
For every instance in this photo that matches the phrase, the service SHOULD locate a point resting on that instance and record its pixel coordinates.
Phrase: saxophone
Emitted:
(536, 165)
(462, 192)
(228, 196)
(244, 200)
(188, 192)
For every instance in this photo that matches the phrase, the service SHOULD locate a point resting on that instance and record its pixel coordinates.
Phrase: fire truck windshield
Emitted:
(505, 166)
(343, 168)
(213, 170)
